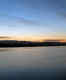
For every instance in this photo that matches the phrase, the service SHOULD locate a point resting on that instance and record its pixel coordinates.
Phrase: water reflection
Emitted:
(4, 49)
(33, 63)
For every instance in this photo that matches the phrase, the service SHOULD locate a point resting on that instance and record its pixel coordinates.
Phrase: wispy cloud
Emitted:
(59, 6)
(4, 37)
(62, 14)
(26, 21)
(22, 20)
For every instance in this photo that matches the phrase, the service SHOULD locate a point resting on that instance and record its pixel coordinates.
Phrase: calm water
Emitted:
(36, 63)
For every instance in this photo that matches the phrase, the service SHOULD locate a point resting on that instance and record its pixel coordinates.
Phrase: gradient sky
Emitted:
(33, 19)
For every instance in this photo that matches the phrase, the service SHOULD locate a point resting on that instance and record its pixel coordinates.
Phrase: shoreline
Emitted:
(11, 43)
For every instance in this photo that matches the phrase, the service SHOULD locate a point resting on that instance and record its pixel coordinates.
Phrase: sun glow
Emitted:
(35, 38)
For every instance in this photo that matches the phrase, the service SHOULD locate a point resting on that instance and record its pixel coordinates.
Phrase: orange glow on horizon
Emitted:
(36, 38)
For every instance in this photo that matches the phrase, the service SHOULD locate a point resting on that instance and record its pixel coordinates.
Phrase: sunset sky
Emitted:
(34, 20)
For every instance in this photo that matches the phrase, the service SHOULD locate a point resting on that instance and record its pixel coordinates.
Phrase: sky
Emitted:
(33, 19)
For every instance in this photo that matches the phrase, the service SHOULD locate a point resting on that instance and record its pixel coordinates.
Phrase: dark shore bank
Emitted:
(14, 43)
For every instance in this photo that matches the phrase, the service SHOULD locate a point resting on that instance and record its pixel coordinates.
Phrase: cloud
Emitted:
(62, 14)
(29, 22)
(4, 37)
(22, 20)
(52, 40)
(60, 7)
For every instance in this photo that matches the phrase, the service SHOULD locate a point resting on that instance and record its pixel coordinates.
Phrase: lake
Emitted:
(33, 63)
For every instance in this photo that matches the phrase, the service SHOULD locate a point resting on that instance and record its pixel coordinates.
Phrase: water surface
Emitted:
(33, 63)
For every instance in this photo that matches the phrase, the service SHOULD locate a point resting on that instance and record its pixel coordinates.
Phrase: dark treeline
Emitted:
(14, 43)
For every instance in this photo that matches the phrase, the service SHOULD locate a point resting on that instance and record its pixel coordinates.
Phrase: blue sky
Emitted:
(33, 18)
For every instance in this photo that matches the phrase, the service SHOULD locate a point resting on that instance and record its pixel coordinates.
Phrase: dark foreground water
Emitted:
(37, 63)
